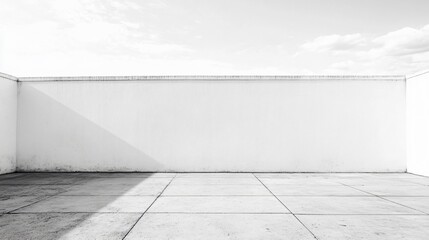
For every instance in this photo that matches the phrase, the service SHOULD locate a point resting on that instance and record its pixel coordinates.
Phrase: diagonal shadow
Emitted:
(90, 206)
(75, 205)
(63, 140)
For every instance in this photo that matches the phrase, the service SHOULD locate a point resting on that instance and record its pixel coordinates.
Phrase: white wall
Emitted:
(418, 124)
(292, 124)
(8, 99)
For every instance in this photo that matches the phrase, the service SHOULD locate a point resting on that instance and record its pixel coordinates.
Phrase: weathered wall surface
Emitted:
(8, 108)
(326, 124)
(418, 124)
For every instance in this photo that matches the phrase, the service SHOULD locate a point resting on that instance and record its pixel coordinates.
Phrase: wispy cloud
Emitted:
(405, 41)
(335, 43)
(85, 27)
(402, 51)
(97, 37)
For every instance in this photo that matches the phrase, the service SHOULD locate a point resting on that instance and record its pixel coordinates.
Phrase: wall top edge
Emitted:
(214, 78)
(8, 77)
(417, 74)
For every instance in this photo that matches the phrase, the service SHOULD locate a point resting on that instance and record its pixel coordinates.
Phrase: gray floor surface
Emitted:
(214, 206)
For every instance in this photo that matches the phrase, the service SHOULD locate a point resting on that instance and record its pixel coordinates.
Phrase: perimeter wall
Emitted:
(418, 124)
(292, 124)
(8, 108)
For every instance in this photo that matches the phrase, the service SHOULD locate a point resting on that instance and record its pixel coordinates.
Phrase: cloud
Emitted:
(84, 26)
(402, 42)
(158, 36)
(405, 41)
(335, 43)
(405, 50)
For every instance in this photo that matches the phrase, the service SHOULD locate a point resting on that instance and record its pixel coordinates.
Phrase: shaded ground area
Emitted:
(213, 206)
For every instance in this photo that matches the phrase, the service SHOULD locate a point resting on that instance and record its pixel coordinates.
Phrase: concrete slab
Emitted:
(364, 227)
(395, 175)
(395, 190)
(128, 175)
(314, 190)
(54, 174)
(32, 190)
(216, 190)
(351, 175)
(343, 205)
(215, 175)
(219, 226)
(73, 226)
(291, 175)
(255, 204)
(113, 204)
(312, 175)
(43, 179)
(126, 181)
(114, 189)
(216, 180)
(298, 181)
(376, 182)
(10, 203)
(419, 203)
(10, 175)
(421, 181)
(211, 206)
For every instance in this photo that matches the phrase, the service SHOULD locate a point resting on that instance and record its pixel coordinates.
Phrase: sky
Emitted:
(213, 37)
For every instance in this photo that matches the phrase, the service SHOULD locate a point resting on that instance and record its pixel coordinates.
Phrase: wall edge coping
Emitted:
(8, 77)
(215, 78)
(418, 74)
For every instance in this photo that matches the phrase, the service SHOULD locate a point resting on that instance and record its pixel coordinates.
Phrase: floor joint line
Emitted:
(286, 207)
(44, 197)
(381, 197)
(147, 209)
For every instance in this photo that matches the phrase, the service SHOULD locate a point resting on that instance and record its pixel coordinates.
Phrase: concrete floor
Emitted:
(213, 206)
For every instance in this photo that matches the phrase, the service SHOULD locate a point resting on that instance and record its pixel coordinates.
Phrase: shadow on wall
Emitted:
(73, 205)
(63, 140)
